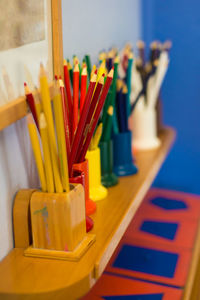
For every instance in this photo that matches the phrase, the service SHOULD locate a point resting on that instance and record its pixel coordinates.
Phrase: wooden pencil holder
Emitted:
(58, 224)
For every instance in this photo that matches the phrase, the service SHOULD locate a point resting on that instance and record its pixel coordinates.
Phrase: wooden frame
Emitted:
(17, 109)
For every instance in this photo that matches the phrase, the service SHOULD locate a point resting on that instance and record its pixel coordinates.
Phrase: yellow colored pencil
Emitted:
(46, 104)
(57, 103)
(97, 136)
(46, 154)
(36, 150)
(91, 144)
(101, 70)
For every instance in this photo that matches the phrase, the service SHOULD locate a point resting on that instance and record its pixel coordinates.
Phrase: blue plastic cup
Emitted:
(123, 159)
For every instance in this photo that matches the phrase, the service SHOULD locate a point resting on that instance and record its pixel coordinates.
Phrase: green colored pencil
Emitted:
(88, 63)
(107, 129)
(70, 71)
(105, 107)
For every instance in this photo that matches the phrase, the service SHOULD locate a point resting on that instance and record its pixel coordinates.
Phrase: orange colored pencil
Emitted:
(65, 117)
(31, 103)
(83, 87)
(96, 115)
(81, 124)
(75, 97)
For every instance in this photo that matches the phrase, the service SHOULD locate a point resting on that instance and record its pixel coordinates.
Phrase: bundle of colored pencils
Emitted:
(116, 111)
(122, 106)
(148, 75)
(76, 111)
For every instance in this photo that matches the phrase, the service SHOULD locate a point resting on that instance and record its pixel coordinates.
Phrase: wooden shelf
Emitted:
(34, 278)
(15, 110)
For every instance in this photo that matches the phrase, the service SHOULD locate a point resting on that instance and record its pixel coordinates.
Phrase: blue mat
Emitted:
(162, 229)
(147, 261)
(169, 204)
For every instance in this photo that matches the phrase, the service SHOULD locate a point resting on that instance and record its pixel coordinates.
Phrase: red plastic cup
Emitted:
(90, 206)
(79, 177)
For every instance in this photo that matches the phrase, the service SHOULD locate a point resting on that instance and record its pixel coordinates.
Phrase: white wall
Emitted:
(88, 27)
(17, 170)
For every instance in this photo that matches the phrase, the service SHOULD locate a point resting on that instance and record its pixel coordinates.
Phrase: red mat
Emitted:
(110, 285)
(191, 212)
(184, 237)
(155, 253)
(181, 270)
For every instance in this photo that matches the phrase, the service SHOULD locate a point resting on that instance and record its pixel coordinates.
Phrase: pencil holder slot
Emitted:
(79, 177)
(123, 159)
(145, 129)
(58, 225)
(90, 205)
(96, 190)
(108, 178)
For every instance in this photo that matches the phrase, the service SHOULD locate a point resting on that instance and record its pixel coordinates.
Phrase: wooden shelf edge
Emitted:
(12, 112)
(15, 110)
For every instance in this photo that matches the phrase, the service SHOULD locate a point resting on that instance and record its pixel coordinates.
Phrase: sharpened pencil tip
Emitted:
(110, 74)
(76, 68)
(101, 80)
(84, 71)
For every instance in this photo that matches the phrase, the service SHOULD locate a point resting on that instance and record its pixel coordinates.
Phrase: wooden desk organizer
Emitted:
(58, 225)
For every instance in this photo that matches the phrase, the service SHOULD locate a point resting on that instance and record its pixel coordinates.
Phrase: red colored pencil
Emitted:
(31, 103)
(75, 97)
(83, 87)
(65, 117)
(68, 89)
(96, 115)
(91, 112)
(81, 124)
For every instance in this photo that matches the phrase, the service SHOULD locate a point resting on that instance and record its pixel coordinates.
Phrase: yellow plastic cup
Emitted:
(96, 190)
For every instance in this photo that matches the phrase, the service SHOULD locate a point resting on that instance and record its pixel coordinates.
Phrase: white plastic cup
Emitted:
(144, 128)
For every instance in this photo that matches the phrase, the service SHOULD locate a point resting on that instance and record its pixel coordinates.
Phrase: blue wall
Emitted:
(179, 21)
(90, 26)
